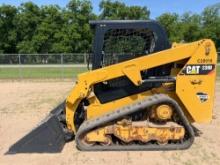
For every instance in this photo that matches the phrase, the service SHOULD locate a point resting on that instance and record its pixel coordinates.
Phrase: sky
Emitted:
(157, 7)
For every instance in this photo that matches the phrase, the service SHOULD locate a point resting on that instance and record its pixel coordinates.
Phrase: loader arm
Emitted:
(131, 69)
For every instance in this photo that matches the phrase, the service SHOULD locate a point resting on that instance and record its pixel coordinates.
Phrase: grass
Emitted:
(55, 72)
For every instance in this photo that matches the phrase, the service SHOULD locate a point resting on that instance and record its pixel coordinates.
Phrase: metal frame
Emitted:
(194, 51)
(101, 27)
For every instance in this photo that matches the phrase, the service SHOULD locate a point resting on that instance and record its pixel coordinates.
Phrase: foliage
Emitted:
(29, 28)
(191, 27)
(118, 10)
(8, 31)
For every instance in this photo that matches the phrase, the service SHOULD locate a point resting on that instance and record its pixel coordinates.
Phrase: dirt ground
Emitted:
(24, 104)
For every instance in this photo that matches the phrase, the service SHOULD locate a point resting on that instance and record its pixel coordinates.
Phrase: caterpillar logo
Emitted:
(198, 69)
(192, 69)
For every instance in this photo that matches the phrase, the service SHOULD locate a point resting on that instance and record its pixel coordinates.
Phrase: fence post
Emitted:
(61, 61)
(20, 70)
(85, 60)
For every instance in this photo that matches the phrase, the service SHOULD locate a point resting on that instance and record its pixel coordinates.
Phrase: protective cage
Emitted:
(125, 44)
(118, 41)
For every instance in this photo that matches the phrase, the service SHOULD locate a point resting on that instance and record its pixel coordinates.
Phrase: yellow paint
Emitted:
(189, 53)
(164, 112)
(133, 73)
(142, 131)
(187, 90)
(97, 109)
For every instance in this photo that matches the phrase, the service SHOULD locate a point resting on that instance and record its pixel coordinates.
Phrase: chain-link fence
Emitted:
(21, 66)
(72, 58)
(42, 65)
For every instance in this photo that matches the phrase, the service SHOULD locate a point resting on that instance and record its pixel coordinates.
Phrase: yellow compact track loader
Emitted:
(142, 93)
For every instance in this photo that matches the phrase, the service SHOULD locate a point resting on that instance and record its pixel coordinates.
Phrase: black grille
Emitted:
(124, 44)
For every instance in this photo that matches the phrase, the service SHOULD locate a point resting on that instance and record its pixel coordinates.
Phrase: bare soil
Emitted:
(24, 104)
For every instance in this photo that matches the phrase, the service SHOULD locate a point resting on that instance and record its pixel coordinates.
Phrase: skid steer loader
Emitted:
(142, 94)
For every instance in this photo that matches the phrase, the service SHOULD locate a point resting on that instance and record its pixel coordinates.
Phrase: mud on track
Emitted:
(24, 104)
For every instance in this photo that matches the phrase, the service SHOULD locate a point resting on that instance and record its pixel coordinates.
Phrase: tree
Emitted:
(27, 20)
(75, 35)
(78, 13)
(8, 33)
(211, 23)
(29, 28)
(118, 10)
(191, 26)
(50, 24)
(171, 23)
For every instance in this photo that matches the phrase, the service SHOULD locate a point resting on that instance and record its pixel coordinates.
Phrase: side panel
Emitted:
(96, 109)
(195, 84)
(86, 81)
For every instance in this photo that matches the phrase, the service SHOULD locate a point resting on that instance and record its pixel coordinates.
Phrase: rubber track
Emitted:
(128, 110)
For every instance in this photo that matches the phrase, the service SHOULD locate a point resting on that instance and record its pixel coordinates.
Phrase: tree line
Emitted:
(29, 28)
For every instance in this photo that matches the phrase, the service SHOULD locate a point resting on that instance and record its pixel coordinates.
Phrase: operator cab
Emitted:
(116, 41)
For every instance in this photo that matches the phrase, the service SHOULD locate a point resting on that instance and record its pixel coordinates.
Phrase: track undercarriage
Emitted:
(142, 131)
(155, 123)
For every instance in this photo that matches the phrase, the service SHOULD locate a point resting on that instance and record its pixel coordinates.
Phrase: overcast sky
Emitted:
(157, 7)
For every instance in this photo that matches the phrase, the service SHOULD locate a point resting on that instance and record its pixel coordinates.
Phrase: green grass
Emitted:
(55, 72)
